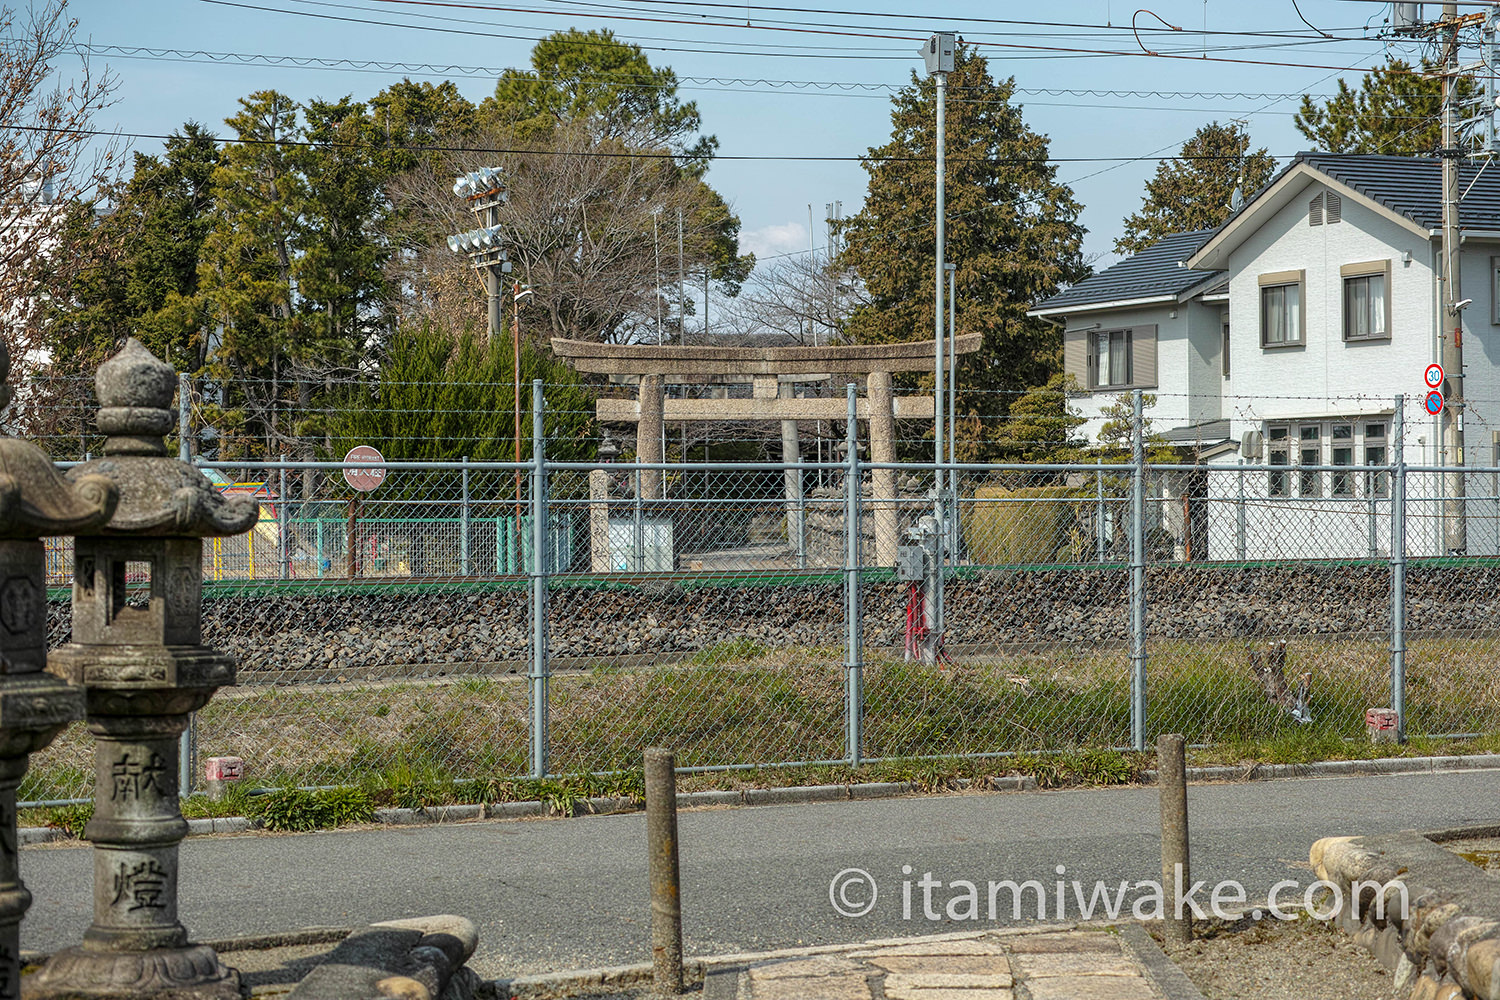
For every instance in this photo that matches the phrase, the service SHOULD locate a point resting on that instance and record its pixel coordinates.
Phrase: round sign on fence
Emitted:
(370, 473)
(1434, 403)
(1434, 376)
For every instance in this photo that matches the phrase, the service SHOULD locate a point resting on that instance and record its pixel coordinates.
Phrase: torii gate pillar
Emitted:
(882, 430)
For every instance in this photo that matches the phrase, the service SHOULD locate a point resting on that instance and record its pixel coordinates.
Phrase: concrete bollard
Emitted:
(666, 894)
(1171, 781)
(218, 772)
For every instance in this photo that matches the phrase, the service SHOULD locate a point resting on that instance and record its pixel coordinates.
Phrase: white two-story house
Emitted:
(1283, 338)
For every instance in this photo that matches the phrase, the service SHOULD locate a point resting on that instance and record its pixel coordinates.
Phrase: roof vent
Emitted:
(1335, 207)
(1315, 211)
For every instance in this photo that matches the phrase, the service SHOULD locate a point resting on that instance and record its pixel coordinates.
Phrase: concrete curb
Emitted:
(805, 794)
(1166, 974)
(1339, 768)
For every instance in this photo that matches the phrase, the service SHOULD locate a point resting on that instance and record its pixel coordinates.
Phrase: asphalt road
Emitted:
(550, 895)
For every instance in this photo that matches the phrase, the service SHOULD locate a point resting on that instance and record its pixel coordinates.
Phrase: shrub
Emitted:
(1030, 525)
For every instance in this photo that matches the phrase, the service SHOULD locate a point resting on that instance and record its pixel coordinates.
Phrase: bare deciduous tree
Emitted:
(578, 224)
(51, 158)
(799, 297)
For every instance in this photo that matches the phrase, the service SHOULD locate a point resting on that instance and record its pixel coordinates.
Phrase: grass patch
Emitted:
(296, 809)
(417, 744)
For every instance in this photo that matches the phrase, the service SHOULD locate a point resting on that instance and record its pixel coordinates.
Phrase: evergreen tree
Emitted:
(1196, 191)
(1041, 425)
(439, 397)
(1396, 111)
(592, 76)
(246, 272)
(1012, 230)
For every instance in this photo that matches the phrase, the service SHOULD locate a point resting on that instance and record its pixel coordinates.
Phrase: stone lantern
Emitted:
(138, 656)
(34, 706)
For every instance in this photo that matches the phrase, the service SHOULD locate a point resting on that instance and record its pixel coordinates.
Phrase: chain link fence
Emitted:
(494, 619)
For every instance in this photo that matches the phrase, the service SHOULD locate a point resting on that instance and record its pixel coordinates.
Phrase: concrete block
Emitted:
(398, 817)
(712, 797)
(880, 789)
(1013, 783)
(453, 814)
(795, 796)
(514, 810)
(27, 835)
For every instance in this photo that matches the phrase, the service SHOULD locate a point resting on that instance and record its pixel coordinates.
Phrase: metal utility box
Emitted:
(938, 52)
(645, 546)
(910, 563)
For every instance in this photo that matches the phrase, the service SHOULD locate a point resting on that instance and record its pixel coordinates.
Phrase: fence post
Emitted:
(539, 659)
(1099, 511)
(1137, 577)
(463, 524)
(1398, 570)
(1371, 527)
(853, 626)
(1239, 518)
(637, 518)
(283, 544)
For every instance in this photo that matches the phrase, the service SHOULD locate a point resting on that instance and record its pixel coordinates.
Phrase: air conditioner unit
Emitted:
(1250, 445)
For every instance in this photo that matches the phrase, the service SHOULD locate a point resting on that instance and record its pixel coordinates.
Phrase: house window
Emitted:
(1224, 349)
(1110, 358)
(1367, 303)
(1281, 313)
(1277, 484)
(1341, 453)
(1495, 290)
(1309, 453)
(1295, 452)
(1376, 483)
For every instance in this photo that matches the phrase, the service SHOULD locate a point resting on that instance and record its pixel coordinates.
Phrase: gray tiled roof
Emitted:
(1412, 185)
(1152, 272)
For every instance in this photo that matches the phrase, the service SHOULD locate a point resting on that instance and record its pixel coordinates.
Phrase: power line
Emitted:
(696, 50)
(643, 83)
(627, 155)
(1194, 54)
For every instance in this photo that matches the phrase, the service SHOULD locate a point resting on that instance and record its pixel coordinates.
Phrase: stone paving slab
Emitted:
(1074, 963)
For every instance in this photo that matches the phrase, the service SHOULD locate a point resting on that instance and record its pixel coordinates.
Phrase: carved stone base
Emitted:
(193, 972)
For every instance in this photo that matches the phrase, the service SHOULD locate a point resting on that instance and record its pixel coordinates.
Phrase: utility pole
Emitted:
(1455, 528)
(938, 55)
(656, 249)
(681, 288)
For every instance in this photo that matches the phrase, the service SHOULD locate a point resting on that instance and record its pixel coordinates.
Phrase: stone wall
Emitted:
(306, 635)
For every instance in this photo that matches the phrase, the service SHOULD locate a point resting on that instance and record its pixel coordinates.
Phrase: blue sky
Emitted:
(825, 90)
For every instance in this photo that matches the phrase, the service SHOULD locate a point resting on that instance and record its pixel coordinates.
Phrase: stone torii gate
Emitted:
(765, 367)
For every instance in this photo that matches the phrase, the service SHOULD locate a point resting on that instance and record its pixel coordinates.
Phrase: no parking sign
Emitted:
(1434, 402)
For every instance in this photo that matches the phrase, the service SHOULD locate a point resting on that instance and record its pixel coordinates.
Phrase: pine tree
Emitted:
(1196, 191)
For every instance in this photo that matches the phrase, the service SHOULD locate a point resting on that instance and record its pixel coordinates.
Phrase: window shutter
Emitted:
(1143, 346)
(1315, 211)
(1335, 208)
(1076, 356)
